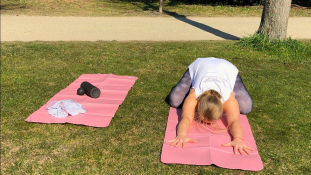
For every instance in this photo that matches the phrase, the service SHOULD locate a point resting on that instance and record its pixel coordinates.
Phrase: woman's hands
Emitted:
(181, 140)
(238, 146)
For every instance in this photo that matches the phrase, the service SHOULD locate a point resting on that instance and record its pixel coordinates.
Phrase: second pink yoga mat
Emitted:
(208, 149)
(99, 111)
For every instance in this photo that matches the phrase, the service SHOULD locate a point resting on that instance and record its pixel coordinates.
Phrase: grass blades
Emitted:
(32, 72)
(287, 50)
(127, 8)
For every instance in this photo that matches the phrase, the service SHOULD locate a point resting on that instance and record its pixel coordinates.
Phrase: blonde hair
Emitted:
(209, 106)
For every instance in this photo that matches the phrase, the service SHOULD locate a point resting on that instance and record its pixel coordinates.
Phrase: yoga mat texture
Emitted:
(208, 149)
(99, 111)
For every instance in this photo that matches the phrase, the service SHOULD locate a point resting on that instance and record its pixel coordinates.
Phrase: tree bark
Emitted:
(274, 19)
(160, 6)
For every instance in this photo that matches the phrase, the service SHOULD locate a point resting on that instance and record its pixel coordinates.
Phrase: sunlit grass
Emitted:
(124, 8)
(288, 49)
(32, 72)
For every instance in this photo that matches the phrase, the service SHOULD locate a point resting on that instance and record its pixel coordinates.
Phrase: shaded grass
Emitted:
(124, 8)
(32, 72)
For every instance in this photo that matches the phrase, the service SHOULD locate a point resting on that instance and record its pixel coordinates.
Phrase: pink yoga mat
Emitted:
(208, 149)
(99, 111)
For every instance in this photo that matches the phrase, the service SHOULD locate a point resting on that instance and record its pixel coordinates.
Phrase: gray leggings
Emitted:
(181, 90)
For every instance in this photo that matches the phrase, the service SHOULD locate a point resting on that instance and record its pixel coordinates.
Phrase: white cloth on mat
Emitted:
(62, 108)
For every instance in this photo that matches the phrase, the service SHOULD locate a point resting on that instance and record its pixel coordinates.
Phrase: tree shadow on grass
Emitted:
(201, 26)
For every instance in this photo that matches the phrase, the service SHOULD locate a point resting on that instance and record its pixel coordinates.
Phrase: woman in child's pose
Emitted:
(214, 85)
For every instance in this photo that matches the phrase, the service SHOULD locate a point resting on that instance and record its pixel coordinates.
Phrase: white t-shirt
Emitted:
(213, 73)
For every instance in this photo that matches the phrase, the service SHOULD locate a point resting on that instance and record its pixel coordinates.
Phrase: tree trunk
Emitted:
(160, 6)
(274, 19)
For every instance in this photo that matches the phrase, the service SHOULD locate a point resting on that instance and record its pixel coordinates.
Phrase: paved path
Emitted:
(31, 28)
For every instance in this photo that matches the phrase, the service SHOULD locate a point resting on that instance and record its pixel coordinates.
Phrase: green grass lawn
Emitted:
(32, 72)
(124, 8)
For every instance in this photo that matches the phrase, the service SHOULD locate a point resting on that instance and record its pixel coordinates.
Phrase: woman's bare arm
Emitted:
(231, 108)
(187, 116)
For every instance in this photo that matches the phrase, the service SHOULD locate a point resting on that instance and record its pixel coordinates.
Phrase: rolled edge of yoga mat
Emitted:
(90, 89)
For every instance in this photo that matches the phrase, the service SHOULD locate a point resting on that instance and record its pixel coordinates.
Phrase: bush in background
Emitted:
(287, 49)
